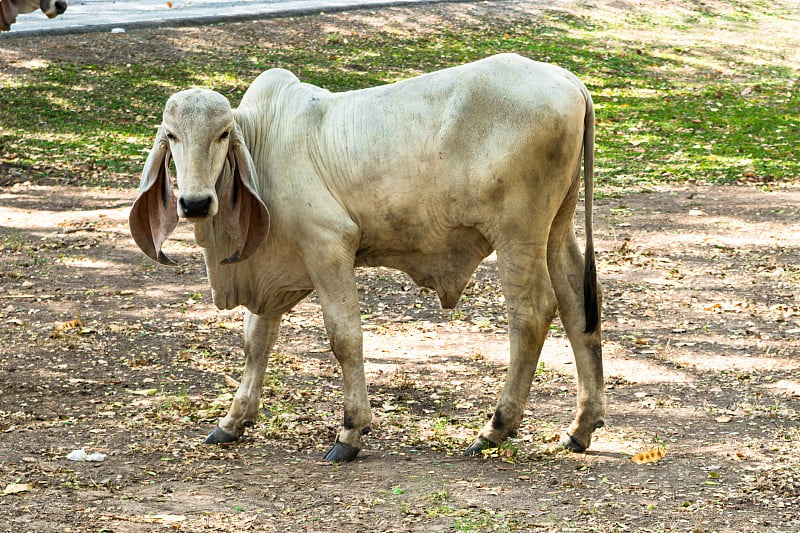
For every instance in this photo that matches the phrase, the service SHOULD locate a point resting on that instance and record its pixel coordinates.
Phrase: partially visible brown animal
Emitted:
(9, 9)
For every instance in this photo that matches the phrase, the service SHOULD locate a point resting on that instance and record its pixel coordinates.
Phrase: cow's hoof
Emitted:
(341, 453)
(220, 436)
(568, 442)
(478, 446)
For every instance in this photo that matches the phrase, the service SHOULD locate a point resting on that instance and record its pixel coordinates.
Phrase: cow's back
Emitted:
(455, 148)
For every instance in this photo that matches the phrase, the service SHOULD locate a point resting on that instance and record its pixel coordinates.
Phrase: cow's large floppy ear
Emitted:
(244, 216)
(154, 214)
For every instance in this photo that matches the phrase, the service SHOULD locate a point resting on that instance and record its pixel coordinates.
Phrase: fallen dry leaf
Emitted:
(168, 518)
(144, 392)
(652, 455)
(75, 323)
(230, 382)
(69, 324)
(16, 488)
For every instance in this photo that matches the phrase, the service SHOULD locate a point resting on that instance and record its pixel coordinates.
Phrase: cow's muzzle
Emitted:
(195, 208)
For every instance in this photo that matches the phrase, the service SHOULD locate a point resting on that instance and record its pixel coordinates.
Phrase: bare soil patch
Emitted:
(701, 320)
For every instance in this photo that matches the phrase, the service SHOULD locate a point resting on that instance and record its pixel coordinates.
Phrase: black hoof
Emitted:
(220, 436)
(570, 443)
(478, 446)
(341, 453)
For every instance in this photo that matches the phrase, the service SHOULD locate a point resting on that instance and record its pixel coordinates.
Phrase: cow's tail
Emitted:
(591, 295)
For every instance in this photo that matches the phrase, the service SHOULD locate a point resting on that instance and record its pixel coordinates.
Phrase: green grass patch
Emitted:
(685, 93)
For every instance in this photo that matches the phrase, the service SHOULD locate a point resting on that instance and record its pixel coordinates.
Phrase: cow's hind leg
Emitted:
(566, 266)
(531, 305)
(260, 334)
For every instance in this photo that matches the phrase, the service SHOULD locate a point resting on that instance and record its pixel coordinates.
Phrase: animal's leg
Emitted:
(531, 306)
(338, 296)
(567, 272)
(260, 334)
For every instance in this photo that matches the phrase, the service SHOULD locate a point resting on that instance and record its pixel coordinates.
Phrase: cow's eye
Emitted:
(225, 135)
(171, 136)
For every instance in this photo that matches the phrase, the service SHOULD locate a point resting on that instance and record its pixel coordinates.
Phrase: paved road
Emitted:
(108, 15)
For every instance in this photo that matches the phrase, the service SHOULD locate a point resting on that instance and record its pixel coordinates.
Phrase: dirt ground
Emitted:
(104, 351)
(700, 320)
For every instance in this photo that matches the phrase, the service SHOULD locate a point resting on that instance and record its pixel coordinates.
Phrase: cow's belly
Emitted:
(443, 262)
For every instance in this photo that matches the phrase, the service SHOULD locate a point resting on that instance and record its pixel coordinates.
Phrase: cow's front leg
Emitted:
(338, 297)
(260, 334)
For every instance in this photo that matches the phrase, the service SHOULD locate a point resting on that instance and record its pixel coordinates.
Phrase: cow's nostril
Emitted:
(195, 208)
(61, 7)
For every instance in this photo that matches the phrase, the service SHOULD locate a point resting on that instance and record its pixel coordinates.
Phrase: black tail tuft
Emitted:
(591, 299)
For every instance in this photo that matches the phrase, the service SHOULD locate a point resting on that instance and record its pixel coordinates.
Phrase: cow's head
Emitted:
(51, 8)
(199, 133)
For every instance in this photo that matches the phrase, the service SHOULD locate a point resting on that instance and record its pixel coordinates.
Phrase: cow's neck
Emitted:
(217, 245)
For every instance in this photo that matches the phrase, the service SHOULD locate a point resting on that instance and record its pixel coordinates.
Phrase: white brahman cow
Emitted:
(298, 186)
(9, 9)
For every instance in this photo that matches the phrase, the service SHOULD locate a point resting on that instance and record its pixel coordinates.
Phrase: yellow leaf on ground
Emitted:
(230, 382)
(76, 323)
(16, 488)
(144, 392)
(652, 455)
(69, 324)
(168, 518)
